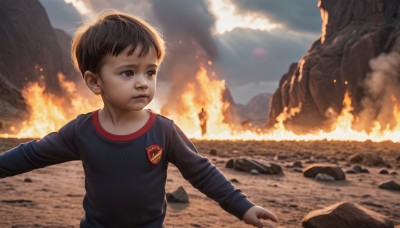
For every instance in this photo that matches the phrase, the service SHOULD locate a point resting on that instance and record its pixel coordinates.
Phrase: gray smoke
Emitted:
(382, 92)
(187, 27)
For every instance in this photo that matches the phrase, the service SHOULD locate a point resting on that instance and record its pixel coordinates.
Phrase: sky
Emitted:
(251, 44)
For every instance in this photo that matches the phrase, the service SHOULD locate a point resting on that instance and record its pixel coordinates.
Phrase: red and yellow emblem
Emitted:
(154, 154)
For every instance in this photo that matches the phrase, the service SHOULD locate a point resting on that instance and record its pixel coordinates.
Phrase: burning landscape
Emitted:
(338, 107)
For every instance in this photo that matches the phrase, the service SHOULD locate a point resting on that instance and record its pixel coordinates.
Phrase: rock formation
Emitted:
(30, 49)
(359, 49)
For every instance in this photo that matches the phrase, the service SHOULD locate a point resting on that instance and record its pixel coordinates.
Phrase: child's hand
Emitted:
(253, 215)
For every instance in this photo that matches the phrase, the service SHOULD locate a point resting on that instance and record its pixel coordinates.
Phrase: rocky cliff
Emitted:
(358, 52)
(30, 49)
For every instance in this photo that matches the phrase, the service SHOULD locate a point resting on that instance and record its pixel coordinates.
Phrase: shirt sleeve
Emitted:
(56, 147)
(204, 176)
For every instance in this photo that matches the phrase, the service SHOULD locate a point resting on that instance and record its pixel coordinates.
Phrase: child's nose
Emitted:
(141, 82)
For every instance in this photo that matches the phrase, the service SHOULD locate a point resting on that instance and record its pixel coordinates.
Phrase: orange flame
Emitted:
(207, 93)
(204, 93)
(49, 113)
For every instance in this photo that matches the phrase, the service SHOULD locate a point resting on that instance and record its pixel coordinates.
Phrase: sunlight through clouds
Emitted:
(80, 6)
(227, 20)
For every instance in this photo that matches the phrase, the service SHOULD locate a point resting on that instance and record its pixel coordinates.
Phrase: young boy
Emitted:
(124, 148)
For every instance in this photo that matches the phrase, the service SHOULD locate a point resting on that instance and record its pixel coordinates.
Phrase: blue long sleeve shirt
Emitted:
(125, 175)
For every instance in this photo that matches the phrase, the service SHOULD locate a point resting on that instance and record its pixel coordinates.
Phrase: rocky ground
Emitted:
(52, 197)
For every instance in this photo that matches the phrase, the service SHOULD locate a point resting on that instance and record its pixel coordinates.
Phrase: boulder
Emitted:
(247, 165)
(334, 171)
(345, 215)
(390, 185)
(368, 159)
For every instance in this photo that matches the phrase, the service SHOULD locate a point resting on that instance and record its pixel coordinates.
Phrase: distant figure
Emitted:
(203, 121)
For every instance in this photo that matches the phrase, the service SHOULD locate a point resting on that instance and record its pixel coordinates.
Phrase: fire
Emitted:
(50, 112)
(207, 93)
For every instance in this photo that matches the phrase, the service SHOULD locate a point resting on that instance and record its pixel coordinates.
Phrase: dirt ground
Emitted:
(52, 196)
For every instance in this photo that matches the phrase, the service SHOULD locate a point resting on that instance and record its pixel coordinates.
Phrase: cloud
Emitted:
(62, 15)
(297, 15)
(245, 58)
(279, 49)
(243, 93)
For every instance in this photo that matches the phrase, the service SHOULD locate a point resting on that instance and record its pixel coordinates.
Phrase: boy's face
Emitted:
(128, 82)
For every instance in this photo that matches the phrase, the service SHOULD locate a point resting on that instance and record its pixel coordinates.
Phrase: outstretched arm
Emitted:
(254, 214)
(54, 148)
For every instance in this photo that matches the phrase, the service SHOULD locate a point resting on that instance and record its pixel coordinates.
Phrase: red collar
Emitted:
(122, 138)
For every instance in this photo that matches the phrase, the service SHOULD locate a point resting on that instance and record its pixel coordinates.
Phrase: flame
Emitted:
(211, 100)
(207, 93)
(50, 112)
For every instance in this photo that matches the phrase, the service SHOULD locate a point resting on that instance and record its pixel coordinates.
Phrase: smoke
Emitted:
(187, 27)
(382, 94)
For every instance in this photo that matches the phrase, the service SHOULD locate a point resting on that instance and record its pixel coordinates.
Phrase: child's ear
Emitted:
(92, 81)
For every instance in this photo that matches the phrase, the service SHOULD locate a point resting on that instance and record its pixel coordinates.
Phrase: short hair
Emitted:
(111, 33)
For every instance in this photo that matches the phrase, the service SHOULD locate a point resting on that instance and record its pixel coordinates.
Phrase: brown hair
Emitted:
(111, 33)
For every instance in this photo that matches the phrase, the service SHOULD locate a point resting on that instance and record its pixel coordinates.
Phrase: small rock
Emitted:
(390, 185)
(254, 172)
(280, 157)
(297, 164)
(351, 171)
(383, 171)
(28, 180)
(229, 164)
(178, 196)
(357, 169)
(324, 177)
(393, 173)
(213, 152)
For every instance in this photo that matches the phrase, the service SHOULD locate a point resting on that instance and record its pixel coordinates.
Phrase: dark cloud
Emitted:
(187, 20)
(299, 15)
(63, 16)
(249, 60)
(187, 27)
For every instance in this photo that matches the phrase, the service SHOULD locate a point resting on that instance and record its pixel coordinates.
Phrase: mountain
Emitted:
(30, 49)
(256, 110)
(358, 52)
